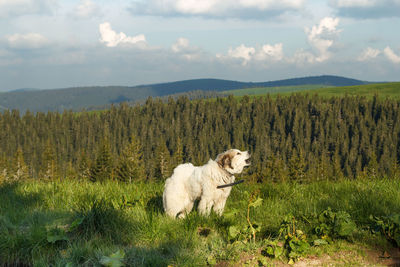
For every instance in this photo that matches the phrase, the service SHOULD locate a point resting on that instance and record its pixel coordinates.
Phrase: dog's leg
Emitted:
(205, 206)
(189, 206)
(186, 210)
(219, 206)
(181, 215)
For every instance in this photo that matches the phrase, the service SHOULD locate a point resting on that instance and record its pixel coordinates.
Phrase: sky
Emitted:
(49, 44)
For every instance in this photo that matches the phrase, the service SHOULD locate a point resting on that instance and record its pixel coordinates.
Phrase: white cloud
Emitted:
(368, 54)
(302, 57)
(265, 53)
(270, 4)
(112, 38)
(180, 45)
(12, 8)
(388, 52)
(192, 7)
(242, 52)
(367, 8)
(27, 41)
(270, 52)
(86, 9)
(371, 53)
(247, 9)
(321, 37)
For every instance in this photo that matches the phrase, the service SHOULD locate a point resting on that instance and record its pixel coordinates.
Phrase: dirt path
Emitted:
(344, 258)
(352, 258)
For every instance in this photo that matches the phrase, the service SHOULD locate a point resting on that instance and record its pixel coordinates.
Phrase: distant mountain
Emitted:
(224, 85)
(89, 97)
(327, 80)
(24, 90)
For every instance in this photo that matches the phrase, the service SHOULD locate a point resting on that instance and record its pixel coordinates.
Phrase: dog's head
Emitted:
(233, 160)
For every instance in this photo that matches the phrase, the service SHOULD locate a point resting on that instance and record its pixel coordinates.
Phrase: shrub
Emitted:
(389, 226)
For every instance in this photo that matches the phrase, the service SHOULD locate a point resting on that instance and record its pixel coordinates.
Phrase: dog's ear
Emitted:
(220, 160)
(225, 160)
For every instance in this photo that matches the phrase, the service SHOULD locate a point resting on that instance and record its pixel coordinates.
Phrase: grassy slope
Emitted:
(136, 224)
(390, 90)
(273, 90)
(384, 90)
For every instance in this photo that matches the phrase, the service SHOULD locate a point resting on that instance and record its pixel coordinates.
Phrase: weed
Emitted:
(247, 232)
(327, 226)
(389, 226)
(331, 225)
(296, 243)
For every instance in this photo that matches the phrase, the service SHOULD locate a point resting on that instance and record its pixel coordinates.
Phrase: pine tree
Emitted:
(83, 167)
(323, 171)
(102, 169)
(163, 161)
(297, 167)
(274, 169)
(178, 155)
(4, 169)
(48, 168)
(19, 169)
(337, 172)
(371, 169)
(395, 170)
(130, 165)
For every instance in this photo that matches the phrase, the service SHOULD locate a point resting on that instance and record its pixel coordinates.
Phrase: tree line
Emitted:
(300, 137)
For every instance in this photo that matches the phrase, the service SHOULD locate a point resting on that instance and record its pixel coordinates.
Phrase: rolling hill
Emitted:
(91, 97)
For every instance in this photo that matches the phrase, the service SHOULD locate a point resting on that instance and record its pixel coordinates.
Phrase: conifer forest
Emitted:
(301, 137)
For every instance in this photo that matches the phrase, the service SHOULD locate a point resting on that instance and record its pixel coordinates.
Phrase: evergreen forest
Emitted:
(299, 137)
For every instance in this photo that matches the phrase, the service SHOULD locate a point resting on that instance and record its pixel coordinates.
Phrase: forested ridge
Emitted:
(97, 97)
(301, 137)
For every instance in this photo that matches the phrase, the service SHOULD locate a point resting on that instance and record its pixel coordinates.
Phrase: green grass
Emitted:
(258, 91)
(384, 90)
(81, 223)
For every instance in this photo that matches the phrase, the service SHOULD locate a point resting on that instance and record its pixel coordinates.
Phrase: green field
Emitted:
(71, 223)
(384, 90)
(273, 90)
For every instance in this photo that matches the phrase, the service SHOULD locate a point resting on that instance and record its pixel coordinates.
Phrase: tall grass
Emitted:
(95, 220)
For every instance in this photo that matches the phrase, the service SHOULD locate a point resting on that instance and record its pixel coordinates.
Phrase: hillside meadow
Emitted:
(383, 90)
(71, 223)
(259, 91)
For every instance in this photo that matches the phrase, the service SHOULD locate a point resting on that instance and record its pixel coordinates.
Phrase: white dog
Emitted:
(189, 183)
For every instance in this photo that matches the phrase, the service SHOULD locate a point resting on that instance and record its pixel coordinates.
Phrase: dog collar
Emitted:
(231, 184)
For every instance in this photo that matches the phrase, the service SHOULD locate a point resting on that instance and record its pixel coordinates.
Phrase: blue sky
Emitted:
(65, 43)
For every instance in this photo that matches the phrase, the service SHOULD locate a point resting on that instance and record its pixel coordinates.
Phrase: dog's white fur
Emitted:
(189, 183)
